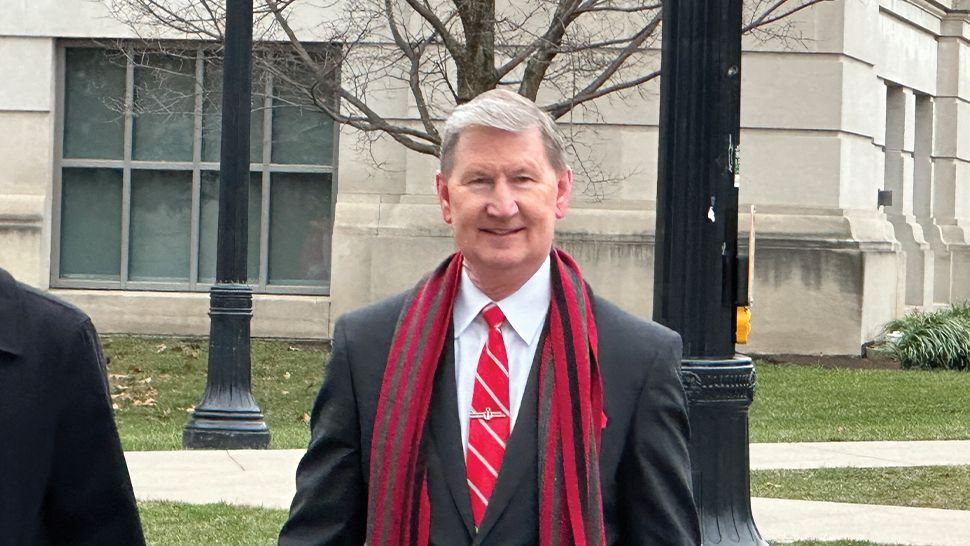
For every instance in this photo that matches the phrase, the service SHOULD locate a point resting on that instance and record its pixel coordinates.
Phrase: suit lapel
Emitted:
(519, 463)
(446, 431)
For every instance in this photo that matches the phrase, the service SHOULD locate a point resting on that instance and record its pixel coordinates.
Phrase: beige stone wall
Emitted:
(186, 314)
(26, 153)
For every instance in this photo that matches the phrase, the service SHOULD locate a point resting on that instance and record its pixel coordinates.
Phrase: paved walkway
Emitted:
(265, 478)
(789, 520)
(860, 454)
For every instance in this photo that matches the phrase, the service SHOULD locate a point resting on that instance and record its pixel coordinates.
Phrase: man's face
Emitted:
(502, 199)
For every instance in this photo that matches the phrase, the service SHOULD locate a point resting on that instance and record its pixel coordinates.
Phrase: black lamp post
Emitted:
(696, 274)
(228, 416)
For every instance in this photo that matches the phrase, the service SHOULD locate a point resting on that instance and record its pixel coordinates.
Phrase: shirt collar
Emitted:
(520, 308)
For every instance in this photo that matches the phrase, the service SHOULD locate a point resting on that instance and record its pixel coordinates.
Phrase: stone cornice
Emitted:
(22, 212)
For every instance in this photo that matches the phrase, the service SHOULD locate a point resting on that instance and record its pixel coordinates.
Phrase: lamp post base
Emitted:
(220, 429)
(720, 392)
(228, 416)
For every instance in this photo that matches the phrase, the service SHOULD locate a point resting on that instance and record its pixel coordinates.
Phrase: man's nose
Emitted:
(502, 202)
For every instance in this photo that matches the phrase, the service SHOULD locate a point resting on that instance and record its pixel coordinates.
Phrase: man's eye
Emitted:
(524, 178)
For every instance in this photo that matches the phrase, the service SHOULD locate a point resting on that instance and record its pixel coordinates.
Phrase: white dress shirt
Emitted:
(525, 312)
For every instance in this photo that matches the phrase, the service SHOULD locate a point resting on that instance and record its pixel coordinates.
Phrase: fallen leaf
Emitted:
(292, 348)
(190, 350)
(306, 418)
(286, 375)
(160, 348)
(146, 380)
(150, 402)
(284, 393)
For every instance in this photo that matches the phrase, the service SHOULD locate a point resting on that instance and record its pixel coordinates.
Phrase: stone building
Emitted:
(114, 208)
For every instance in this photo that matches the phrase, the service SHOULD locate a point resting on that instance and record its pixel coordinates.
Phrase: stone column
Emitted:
(951, 159)
(900, 140)
(923, 194)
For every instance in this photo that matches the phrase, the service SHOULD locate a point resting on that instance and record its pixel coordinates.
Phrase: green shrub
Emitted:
(938, 340)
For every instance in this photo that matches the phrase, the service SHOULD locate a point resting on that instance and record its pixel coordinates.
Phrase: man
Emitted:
(499, 402)
(63, 478)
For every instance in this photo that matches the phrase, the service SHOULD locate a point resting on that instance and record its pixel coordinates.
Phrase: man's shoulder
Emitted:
(612, 321)
(36, 312)
(379, 316)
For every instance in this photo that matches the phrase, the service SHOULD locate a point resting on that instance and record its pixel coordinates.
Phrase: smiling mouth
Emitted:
(501, 231)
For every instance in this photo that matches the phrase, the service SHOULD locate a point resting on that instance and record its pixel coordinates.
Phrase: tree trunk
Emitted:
(476, 71)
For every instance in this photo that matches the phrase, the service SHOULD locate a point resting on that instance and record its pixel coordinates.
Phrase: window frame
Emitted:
(196, 166)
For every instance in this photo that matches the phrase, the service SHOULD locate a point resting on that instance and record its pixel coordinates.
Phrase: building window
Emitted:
(136, 204)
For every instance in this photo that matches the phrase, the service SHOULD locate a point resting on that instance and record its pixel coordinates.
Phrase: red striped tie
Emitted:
(490, 422)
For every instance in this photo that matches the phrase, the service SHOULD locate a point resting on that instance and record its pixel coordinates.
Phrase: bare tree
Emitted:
(565, 54)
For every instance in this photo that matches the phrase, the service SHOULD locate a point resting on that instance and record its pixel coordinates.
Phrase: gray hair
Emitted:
(505, 110)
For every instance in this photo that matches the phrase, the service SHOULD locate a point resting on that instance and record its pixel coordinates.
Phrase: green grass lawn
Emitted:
(155, 382)
(808, 404)
(176, 524)
(924, 487)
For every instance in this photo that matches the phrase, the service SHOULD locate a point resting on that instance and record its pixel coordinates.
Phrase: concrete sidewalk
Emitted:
(860, 454)
(249, 477)
(790, 520)
(266, 478)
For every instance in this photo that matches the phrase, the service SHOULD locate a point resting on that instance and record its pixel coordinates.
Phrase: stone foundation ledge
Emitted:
(186, 313)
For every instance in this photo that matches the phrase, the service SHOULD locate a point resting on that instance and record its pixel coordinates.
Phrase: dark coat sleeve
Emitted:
(330, 506)
(655, 485)
(89, 499)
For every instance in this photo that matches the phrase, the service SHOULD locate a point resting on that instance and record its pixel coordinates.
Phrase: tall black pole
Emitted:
(696, 271)
(228, 416)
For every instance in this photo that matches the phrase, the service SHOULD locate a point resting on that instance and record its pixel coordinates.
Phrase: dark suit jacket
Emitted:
(645, 471)
(63, 478)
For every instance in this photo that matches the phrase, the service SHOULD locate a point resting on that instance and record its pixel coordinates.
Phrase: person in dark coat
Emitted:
(63, 477)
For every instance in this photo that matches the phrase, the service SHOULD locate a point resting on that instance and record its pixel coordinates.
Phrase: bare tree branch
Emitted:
(591, 90)
(545, 48)
(616, 9)
(414, 56)
(454, 48)
(372, 121)
(439, 53)
(765, 20)
(559, 109)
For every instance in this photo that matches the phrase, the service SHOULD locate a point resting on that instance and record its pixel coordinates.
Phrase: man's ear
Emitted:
(444, 200)
(564, 189)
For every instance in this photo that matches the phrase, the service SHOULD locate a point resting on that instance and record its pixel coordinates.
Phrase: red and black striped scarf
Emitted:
(570, 414)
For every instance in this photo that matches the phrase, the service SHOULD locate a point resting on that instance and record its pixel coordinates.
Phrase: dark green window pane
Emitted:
(212, 115)
(161, 220)
(302, 134)
(164, 107)
(209, 227)
(299, 229)
(94, 94)
(91, 224)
